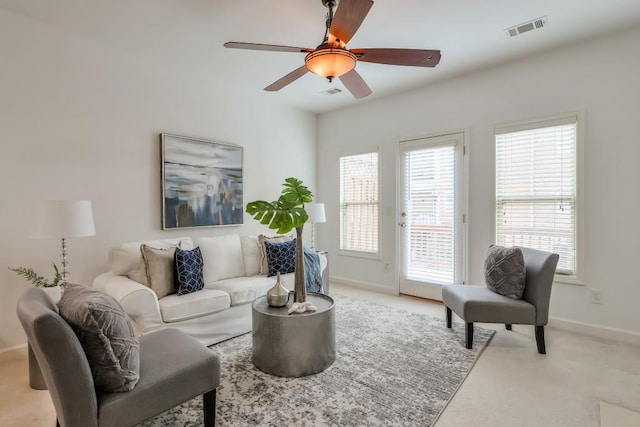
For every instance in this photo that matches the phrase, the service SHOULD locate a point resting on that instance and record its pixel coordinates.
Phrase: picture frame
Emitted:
(202, 183)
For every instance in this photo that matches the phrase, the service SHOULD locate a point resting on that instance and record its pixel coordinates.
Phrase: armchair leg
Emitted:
(540, 339)
(209, 408)
(508, 326)
(448, 317)
(468, 332)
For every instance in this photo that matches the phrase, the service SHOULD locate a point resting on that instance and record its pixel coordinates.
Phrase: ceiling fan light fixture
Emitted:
(330, 62)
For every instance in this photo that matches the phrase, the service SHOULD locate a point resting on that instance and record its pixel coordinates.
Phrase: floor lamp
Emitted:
(58, 219)
(61, 219)
(316, 214)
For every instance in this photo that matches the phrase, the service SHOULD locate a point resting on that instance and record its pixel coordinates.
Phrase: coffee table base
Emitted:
(295, 345)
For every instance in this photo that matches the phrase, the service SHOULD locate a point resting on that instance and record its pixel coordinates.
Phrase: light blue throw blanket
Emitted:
(312, 276)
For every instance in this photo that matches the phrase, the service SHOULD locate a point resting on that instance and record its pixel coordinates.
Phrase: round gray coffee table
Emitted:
(294, 345)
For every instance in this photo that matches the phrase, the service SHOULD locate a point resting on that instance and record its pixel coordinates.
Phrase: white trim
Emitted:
(359, 254)
(13, 353)
(432, 292)
(603, 332)
(363, 285)
(529, 124)
(568, 280)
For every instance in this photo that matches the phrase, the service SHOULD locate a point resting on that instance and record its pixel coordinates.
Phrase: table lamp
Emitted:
(61, 219)
(316, 214)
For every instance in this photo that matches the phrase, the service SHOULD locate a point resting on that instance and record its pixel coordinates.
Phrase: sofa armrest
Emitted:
(324, 270)
(137, 300)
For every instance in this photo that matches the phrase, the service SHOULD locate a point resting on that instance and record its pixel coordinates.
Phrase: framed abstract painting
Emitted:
(201, 183)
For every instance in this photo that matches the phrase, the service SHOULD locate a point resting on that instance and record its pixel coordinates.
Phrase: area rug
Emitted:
(392, 368)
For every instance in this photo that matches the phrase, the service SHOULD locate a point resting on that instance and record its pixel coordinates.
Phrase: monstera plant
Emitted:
(284, 215)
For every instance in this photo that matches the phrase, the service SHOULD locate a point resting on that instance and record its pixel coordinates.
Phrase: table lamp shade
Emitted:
(57, 219)
(315, 211)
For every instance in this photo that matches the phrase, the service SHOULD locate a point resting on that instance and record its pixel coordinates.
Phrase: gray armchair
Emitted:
(479, 304)
(173, 368)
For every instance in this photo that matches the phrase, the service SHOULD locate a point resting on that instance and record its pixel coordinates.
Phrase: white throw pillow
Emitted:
(125, 258)
(222, 256)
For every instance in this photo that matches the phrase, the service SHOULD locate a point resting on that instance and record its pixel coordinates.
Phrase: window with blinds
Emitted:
(536, 189)
(359, 203)
(429, 182)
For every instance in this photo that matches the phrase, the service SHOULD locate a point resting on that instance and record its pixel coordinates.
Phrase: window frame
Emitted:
(541, 122)
(352, 252)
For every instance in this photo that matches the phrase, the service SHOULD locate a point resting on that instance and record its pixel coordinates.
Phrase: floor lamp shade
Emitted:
(57, 219)
(61, 219)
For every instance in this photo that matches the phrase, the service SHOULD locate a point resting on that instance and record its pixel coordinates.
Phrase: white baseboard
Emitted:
(13, 353)
(363, 285)
(590, 329)
(604, 332)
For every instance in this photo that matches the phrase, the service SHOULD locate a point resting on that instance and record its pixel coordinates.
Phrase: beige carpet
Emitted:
(617, 416)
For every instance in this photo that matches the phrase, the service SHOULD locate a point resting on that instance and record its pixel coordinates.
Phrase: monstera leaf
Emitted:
(287, 212)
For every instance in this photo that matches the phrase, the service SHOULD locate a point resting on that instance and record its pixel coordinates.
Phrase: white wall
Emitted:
(81, 120)
(599, 76)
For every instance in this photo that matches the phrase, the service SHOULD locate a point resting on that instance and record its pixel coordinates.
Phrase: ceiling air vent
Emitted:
(525, 27)
(331, 91)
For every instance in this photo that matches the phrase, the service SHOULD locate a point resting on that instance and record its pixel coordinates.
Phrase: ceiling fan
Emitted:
(332, 59)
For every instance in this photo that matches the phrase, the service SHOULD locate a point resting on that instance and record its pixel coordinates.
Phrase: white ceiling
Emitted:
(470, 34)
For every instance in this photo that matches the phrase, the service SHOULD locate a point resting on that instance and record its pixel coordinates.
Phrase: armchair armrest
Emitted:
(137, 300)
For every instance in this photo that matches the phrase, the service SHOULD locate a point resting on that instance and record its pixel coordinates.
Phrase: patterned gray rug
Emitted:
(393, 368)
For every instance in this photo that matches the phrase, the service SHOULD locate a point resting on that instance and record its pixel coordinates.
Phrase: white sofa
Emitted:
(220, 311)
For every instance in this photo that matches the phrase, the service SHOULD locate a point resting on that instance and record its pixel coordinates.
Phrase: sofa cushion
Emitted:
(251, 254)
(106, 335)
(281, 257)
(222, 257)
(189, 268)
(264, 264)
(160, 267)
(243, 290)
(176, 308)
(125, 258)
(504, 271)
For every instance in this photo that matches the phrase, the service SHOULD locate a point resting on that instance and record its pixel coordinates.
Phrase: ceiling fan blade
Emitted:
(355, 84)
(412, 57)
(347, 19)
(289, 78)
(269, 47)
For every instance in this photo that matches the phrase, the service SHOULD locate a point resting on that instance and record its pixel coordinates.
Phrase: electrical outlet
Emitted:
(596, 296)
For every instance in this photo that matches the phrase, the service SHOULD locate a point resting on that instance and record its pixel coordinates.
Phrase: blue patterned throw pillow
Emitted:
(281, 257)
(189, 266)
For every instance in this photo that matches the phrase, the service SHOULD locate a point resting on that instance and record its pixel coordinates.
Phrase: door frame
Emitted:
(464, 182)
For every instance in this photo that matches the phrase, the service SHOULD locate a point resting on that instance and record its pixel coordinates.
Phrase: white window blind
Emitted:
(359, 203)
(536, 186)
(430, 213)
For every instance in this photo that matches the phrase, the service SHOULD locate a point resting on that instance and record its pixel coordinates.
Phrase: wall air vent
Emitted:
(525, 27)
(331, 91)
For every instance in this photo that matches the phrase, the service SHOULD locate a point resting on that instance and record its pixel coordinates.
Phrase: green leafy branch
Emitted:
(287, 212)
(39, 281)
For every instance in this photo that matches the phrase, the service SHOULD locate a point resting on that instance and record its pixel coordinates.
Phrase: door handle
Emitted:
(402, 224)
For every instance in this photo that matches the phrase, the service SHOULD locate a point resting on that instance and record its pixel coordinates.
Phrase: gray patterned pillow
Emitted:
(106, 335)
(504, 271)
